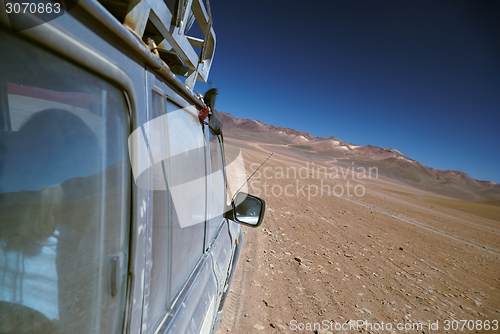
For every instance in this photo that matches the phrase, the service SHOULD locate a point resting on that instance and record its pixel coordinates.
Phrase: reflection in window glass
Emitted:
(158, 292)
(236, 178)
(64, 195)
(216, 186)
(155, 131)
(187, 185)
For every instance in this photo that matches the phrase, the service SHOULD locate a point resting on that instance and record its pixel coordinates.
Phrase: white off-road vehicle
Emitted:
(114, 210)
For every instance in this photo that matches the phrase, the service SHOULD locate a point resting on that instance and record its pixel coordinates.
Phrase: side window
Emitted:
(216, 187)
(187, 188)
(64, 195)
(178, 193)
(160, 232)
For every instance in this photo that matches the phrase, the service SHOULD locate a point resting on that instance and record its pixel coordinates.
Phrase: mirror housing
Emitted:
(209, 97)
(247, 210)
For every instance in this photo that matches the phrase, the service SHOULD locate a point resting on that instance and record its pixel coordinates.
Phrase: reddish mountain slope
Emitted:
(389, 161)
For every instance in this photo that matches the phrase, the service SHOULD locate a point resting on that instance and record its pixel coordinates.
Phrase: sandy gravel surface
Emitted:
(394, 255)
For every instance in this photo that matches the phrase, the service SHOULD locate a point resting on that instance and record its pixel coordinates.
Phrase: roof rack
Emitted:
(164, 25)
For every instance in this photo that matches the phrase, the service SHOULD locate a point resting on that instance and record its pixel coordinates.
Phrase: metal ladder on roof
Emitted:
(164, 27)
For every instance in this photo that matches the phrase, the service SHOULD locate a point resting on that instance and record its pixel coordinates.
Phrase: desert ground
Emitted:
(377, 252)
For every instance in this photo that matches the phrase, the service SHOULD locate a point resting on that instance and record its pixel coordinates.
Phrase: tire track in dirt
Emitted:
(412, 221)
(455, 219)
(417, 223)
(234, 310)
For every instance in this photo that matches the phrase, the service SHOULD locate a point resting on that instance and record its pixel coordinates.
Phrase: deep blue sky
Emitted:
(419, 76)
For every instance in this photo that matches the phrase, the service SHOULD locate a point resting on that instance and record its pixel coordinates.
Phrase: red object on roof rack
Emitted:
(202, 115)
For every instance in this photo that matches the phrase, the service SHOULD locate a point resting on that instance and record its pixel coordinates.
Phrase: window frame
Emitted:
(209, 241)
(154, 85)
(61, 43)
(178, 296)
(155, 89)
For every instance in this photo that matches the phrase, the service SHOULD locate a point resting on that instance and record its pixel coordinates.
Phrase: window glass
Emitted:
(216, 187)
(187, 187)
(156, 132)
(236, 178)
(158, 291)
(64, 195)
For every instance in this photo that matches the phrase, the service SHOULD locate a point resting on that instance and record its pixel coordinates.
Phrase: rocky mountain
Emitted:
(390, 161)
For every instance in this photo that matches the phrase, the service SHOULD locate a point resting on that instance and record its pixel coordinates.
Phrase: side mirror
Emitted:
(247, 210)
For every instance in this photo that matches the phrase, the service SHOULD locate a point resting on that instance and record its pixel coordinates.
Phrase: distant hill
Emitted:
(389, 161)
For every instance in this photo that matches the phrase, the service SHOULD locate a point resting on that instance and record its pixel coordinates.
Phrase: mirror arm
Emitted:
(229, 214)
